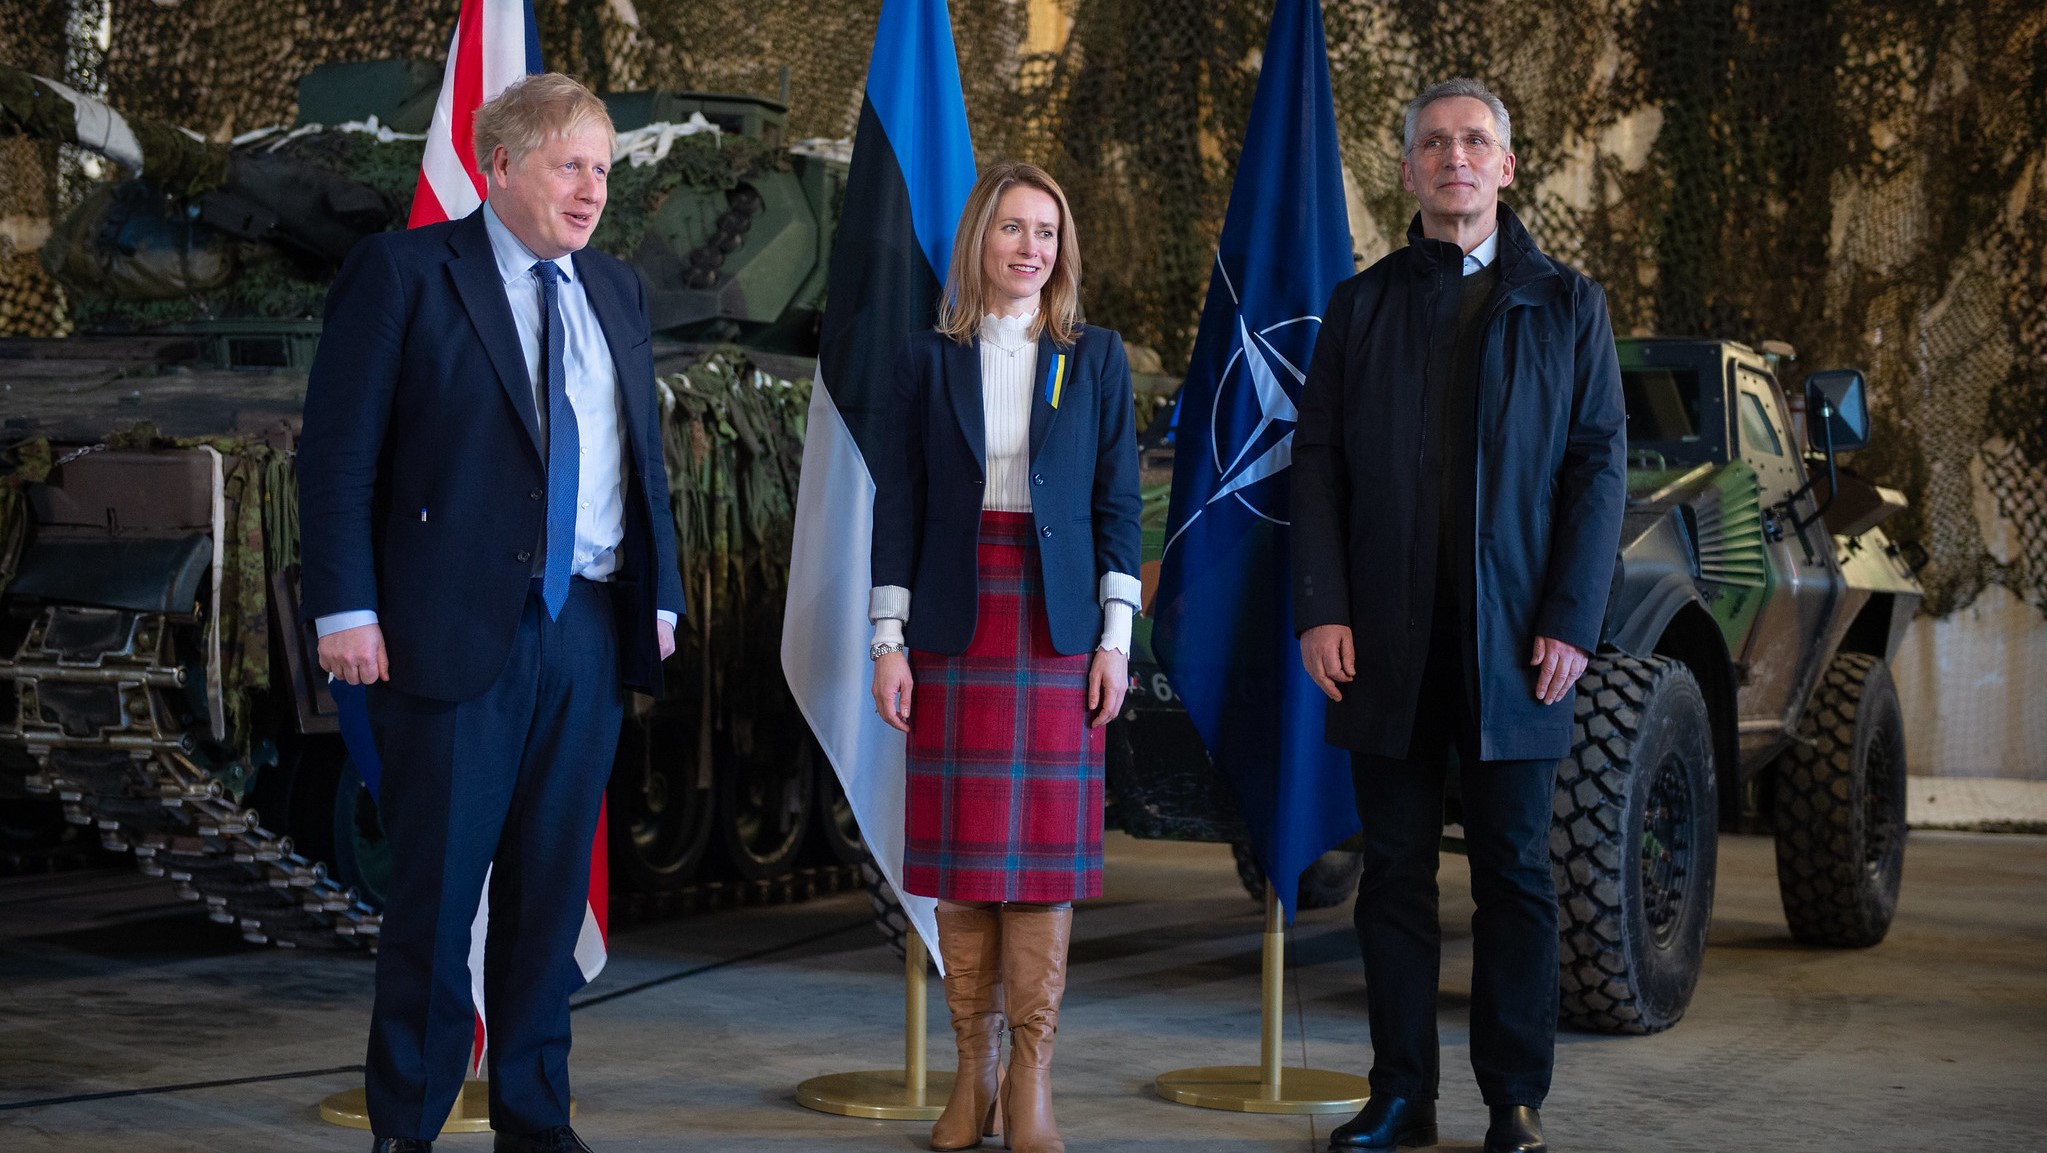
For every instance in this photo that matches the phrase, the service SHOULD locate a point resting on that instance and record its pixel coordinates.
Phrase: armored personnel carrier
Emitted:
(156, 685)
(1743, 680)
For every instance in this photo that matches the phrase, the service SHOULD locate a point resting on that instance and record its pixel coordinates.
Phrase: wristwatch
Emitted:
(880, 649)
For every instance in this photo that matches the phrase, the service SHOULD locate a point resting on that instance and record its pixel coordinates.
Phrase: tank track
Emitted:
(99, 709)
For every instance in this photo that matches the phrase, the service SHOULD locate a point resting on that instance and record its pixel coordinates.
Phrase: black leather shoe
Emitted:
(560, 1139)
(1515, 1129)
(1387, 1122)
(402, 1145)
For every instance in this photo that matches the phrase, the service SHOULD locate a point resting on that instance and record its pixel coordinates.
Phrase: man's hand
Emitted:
(892, 686)
(356, 655)
(1327, 655)
(665, 632)
(1108, 678)
(1560, 667)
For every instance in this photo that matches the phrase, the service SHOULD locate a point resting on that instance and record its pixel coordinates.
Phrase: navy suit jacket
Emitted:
(928, 489)
(420, 399)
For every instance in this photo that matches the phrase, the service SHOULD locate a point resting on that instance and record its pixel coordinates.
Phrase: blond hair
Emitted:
(966, 286)
(533, 109)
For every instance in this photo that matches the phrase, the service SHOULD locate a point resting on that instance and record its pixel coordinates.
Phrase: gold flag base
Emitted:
(877, 1093)
(906, 1094)
(1266, 1087)
(1243, 1089)
(471, 1113)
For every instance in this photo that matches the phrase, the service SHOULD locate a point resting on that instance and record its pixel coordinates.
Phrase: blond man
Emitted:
(486, 534)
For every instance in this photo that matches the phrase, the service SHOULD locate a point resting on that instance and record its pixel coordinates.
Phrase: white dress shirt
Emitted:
(593, 394)
(1009, 362)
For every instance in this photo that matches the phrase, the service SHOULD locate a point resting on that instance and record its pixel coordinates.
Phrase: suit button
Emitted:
(534, 495)
(525, 556)
(1037, 478)
(1046, 532)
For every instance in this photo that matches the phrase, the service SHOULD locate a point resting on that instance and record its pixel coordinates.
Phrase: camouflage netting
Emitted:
(1863, 180)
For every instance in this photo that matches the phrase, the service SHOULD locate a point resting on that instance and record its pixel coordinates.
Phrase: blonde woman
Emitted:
(1009, 521)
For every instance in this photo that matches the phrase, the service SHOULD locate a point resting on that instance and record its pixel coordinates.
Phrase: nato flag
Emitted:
(1223, 619)
(913, 166)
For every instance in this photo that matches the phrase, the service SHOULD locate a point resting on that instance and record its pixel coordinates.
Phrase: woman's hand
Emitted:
(1108, 678)
(892, 685)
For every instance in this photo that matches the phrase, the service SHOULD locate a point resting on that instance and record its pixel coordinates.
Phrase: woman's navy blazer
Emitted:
(928, 487)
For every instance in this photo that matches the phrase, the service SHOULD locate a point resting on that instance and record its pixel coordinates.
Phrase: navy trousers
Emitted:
(1506, 808)
(508, 783)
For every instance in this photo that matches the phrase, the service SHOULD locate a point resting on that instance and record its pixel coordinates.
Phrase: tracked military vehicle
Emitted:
(156, 685)
(1743, 680)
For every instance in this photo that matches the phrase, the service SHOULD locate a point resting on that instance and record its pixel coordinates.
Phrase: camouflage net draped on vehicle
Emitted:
(733, 436)
(1863, 180)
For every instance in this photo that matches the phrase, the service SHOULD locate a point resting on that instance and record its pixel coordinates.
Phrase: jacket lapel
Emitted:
(616, 318)
(963, 382)
(477, 282)
(1050, 390)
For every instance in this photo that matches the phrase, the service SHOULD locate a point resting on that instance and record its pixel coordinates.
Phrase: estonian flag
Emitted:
(913, 166)
(1223, 617)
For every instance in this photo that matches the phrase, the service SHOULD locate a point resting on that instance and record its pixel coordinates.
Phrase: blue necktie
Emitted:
(562, 449)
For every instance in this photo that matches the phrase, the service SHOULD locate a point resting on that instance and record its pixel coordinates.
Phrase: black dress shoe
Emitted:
(1515, 1129)
(402, 1145)
(560, 1139)
(1387, 1122)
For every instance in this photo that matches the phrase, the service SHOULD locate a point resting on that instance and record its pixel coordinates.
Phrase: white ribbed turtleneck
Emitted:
(1009, 361)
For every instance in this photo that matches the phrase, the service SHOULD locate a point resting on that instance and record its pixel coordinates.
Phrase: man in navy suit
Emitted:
(487, 545)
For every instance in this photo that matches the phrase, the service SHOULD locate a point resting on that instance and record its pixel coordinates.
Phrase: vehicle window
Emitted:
(1757, 431)
(1663, 404)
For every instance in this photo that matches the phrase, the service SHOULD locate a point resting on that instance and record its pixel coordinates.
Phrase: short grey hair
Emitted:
(1460, 86)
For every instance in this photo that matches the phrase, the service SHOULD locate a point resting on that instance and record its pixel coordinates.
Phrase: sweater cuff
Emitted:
(1122, 588)
(888, 631)
(888, 602)
(1116, 617)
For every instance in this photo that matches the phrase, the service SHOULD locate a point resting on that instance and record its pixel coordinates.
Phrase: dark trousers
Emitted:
(508, 783)
(1506, 807)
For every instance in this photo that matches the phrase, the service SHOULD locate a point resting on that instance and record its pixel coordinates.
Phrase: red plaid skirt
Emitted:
(1004, 798)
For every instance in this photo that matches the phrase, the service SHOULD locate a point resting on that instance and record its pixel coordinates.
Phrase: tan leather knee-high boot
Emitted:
(970, 941)
(1034, 940)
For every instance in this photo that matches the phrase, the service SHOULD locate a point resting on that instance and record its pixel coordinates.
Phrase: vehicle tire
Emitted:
(362, 857)
(332, 819)
(1840, 808)
(765, 800)
(660, 806)
(1633, 841)
(837, 829)
(889, 919)
(1330, 881)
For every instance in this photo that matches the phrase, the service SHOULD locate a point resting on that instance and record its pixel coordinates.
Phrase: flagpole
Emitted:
(912, 1093)
(1267, 1087)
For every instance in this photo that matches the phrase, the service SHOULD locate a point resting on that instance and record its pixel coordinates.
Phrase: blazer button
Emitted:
(534, 495)
(1046, 532)
(525, 556)
(1037, 478)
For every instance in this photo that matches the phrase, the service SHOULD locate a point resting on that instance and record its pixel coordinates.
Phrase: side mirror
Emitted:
(1837, 410)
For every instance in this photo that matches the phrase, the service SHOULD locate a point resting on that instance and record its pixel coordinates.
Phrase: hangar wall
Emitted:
(1862, 179)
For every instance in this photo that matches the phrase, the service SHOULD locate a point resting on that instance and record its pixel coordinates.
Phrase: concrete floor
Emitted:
(1936, 1039)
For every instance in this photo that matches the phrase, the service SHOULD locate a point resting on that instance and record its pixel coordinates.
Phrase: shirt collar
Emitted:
(515, 260)
(1478, 258)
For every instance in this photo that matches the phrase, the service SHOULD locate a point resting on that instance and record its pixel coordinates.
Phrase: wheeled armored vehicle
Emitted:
(1743, 681)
